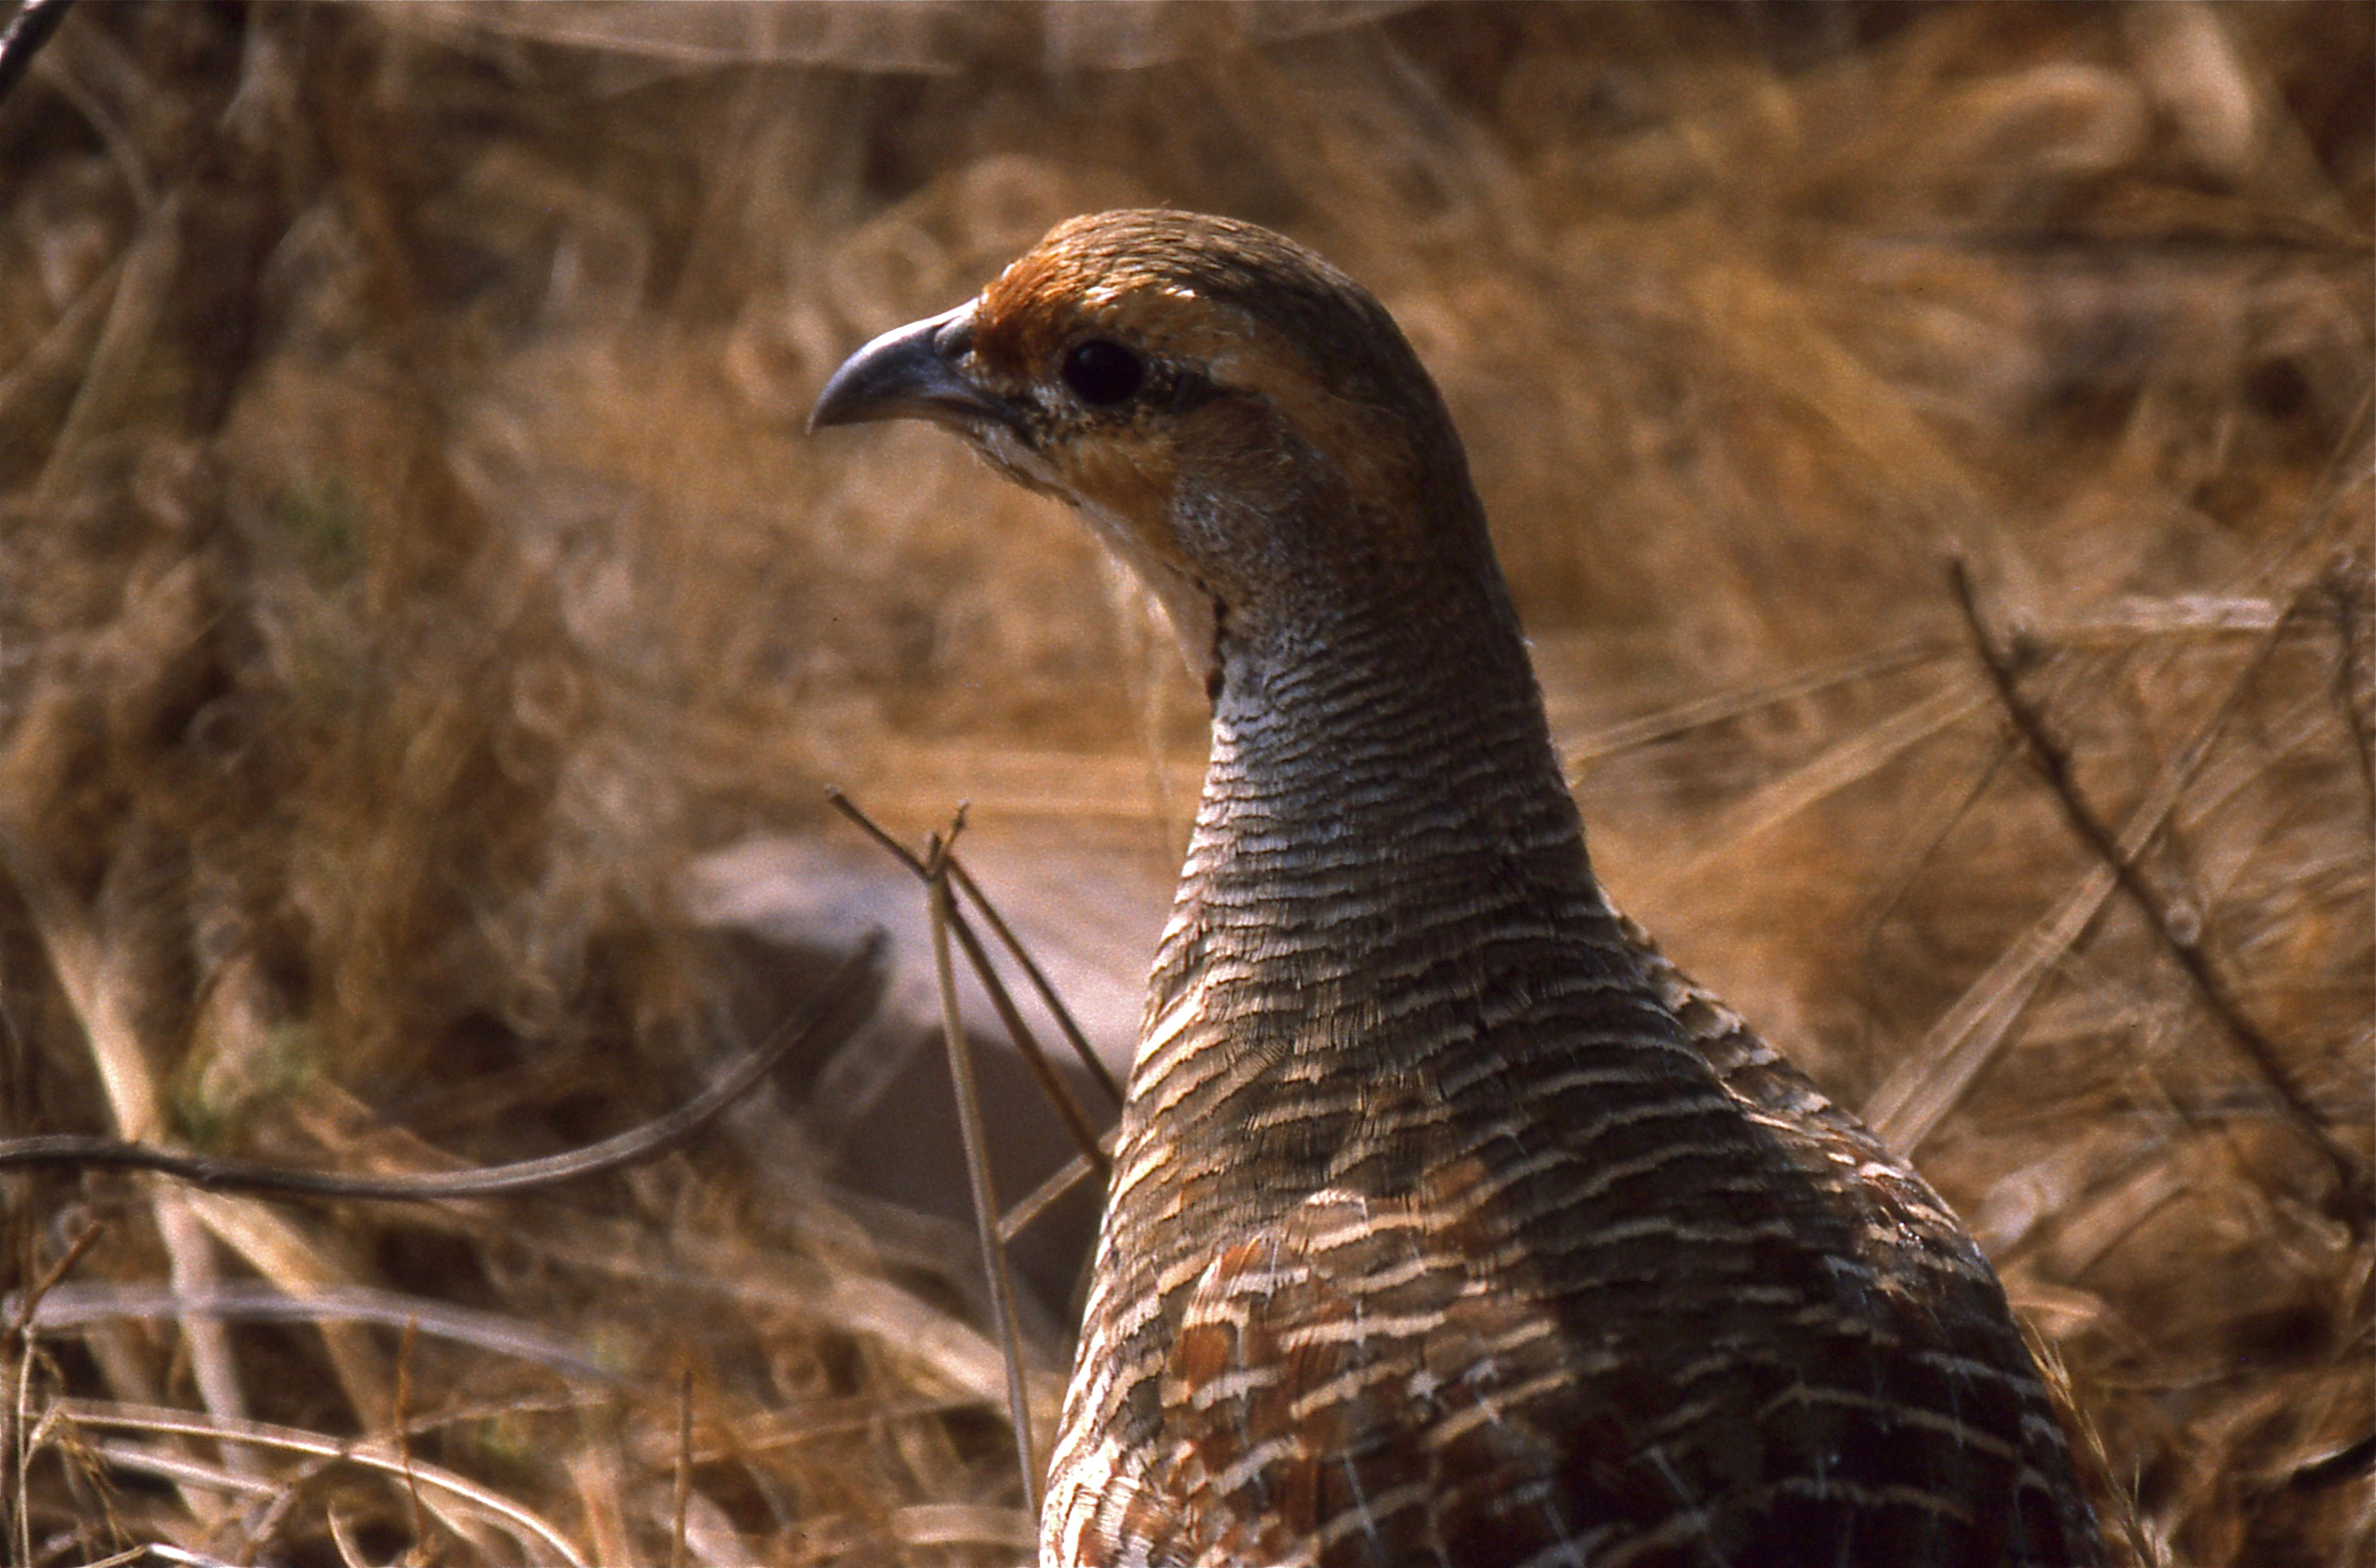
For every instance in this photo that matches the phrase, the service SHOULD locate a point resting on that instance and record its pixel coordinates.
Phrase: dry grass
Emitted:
(409, 565)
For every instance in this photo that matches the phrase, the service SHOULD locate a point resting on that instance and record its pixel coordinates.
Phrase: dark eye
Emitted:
(1103, 373)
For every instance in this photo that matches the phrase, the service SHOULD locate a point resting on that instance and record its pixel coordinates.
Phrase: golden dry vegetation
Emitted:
(414, 582)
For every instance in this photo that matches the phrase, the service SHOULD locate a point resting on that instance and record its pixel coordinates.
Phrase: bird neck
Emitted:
(1384, 831)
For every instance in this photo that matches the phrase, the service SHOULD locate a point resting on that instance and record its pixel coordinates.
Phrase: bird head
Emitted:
(1243, 423)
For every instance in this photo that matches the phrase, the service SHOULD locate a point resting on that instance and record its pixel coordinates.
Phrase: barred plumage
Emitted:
(1449, 1224)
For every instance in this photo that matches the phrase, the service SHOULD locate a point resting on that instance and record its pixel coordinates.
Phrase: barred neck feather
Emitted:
(1387, 872)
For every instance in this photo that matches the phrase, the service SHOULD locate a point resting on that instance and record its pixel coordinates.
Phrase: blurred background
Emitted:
(426, 637)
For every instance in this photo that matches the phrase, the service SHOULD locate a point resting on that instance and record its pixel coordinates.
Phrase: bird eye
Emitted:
(1103, 373)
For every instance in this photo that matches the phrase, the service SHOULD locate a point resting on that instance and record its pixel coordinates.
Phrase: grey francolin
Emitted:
(1449, 1223)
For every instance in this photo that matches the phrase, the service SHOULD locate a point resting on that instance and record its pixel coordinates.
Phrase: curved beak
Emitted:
(910, 373)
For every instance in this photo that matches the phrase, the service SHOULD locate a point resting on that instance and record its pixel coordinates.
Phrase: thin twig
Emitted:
(1931, 1082)
(342, 1536)
(630, 1148)
(976, 1152)
(255, 1536)
(683, 1463)
(1902, 882)
(30, 1303)
(400, 1416)
(21, 1329)
(1039, 983)
(523, 1525)
(163, 1552)
(183, 1471)
(1836, 767)
(117, 1560)
(1044, 1197)
(1027, 1044)
(2353, 609)
(2054, 764)
(874, 830)
(856, 1413)
(1666, 723)
(70, 1306)
(20, 1453)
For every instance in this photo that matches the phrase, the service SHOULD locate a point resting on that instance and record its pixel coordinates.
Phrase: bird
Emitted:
(1449, 1222)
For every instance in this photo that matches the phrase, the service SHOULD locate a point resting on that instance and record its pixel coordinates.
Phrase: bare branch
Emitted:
(2054, 765)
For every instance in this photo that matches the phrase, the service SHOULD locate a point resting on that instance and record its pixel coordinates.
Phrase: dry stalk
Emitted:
(1082, 1051)
(681, 1491)
(1932, 1080)
(976, 1153)
(68, 1307)
(2120, 855)
(16, 1452)
(1027, 1044)
(530, 1530)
